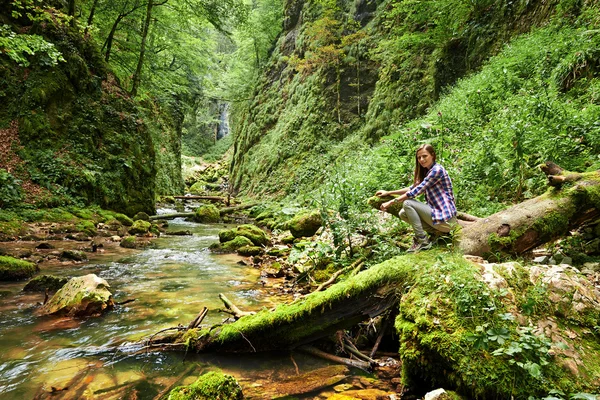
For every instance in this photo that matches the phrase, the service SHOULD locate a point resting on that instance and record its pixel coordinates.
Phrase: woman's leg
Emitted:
(418, 215)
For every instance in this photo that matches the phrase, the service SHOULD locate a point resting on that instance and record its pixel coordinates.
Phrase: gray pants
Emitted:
(418, 215)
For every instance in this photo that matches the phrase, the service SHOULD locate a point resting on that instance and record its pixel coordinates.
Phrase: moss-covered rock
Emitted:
(140, 227)
(128, 242)
(198, 188)
(72, 255)
(87, 227)
(210, 386)
(248, 251)
(42, 282)
(80, 296)
(141, 216)
(279, 252)
(233, 245)
(13, 269)
(124, 219)
(305, 225)
(254, 233)
(226, 235)
(207, 214)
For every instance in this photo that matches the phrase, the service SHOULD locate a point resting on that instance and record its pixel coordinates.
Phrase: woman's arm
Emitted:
(400, 199)
(383, 193)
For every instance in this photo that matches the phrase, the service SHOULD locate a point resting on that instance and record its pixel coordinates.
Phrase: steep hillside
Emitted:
(69, 132)
(343, 75)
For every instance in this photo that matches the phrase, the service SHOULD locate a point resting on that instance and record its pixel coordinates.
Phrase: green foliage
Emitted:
(23, 48)
(212, 385)
(11, 193)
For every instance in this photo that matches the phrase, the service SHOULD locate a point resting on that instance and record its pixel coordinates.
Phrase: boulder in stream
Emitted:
(305, 225)
(13, 269)
(212, 385)
(80, 296)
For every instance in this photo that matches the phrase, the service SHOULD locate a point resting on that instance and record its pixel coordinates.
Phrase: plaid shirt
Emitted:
(438, 193)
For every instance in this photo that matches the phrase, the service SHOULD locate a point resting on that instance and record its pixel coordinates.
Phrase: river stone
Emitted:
(239, 241)
(248, 251)
(80, 296)
(42, 282)
(13, 269)
(72, 255)
(254, 233)
(210, 386)
(207, 214)
(305, 225)
(140, 227)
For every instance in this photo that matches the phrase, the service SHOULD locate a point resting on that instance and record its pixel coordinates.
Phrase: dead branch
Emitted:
(330, 357)
(216, 199)
(236, 311)
(198, 320)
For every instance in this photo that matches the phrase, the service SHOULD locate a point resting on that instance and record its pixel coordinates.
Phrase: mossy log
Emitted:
(222, 211)
(440, 302)
(534, 222)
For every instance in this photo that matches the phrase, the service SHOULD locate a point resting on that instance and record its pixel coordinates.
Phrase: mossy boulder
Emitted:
(72, 255)
(80, 296)
(235, 244)
(87, 227)
(114, 224)
(248, 251)
(305, 225)
(254, 233)
(210, 386)
(13, 269)
(198, 188)
(279, 252)
(42, 282)
(207, 214)
(140, 227)
(128, 242)
(124, 219)
(226, 235)
(141, 216)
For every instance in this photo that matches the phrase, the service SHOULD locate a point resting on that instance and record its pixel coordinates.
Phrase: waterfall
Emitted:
(223, 127)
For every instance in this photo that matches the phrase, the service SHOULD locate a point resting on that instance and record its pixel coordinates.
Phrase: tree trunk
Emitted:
(534, 222)
(317, 316)
(138, 71)
(111, 36)
(91, 16)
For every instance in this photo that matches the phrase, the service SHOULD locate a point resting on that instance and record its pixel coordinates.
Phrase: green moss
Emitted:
(13, 269)
(124, 219)
(87, 227)
(210, 386)
(198, 188)
(128, 242)
(140, 227)
(247, 251)
(207, 214)
(254, 233)
(226, 235)
(305, 225)
(42, 282)
(235, 244)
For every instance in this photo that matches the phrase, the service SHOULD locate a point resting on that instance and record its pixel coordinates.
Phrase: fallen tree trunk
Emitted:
(217, 199)
(534, 222)
(318, 315)
(222, 211)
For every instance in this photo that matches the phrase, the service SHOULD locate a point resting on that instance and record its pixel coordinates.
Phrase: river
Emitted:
(64, 358)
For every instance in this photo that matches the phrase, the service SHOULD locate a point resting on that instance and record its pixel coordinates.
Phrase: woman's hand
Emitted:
(384, 206)
(381, 193)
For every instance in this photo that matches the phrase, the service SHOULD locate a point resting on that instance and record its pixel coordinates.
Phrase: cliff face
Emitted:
(75, 134)
(342, 75)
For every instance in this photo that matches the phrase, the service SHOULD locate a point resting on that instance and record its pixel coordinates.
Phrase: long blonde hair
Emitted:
(421, 172)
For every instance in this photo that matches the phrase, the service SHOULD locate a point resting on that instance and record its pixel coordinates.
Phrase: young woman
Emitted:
(439, 212)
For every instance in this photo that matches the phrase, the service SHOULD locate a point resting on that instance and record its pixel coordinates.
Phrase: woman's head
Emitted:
(424, 159)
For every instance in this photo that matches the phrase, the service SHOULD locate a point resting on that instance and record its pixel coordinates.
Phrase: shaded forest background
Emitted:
(328, 99)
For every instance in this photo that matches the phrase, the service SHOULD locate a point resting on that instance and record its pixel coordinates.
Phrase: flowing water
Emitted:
(51, 357)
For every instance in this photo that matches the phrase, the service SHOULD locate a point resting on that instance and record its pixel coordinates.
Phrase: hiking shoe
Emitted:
(419, 244)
